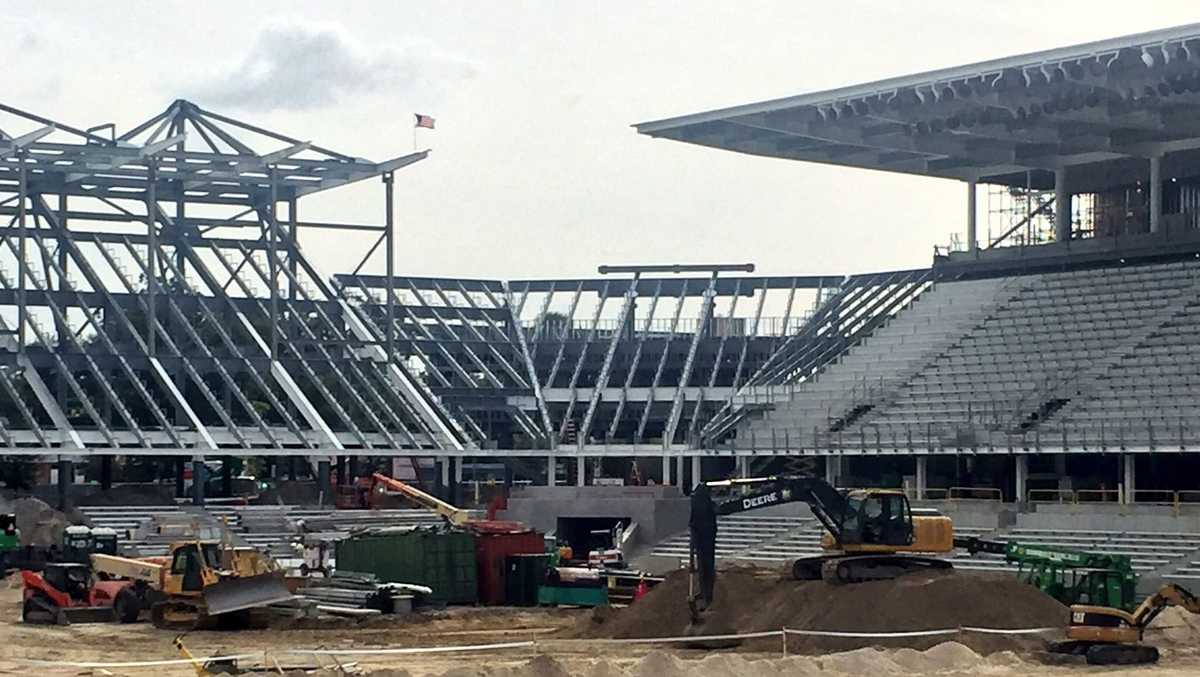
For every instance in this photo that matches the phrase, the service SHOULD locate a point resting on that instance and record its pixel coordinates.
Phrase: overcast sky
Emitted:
(535, 170)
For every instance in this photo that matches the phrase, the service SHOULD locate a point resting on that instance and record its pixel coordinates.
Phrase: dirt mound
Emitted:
(1174, 626)
(39, 523)
(751, 599)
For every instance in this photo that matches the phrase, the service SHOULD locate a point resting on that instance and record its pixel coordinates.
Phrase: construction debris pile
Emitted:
(353, 594)
(753, 600)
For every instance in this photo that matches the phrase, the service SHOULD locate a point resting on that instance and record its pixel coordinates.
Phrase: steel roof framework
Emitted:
(1101, 107)
(139, 315)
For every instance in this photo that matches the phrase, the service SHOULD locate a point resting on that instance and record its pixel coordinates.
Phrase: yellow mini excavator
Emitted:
(1109, 636)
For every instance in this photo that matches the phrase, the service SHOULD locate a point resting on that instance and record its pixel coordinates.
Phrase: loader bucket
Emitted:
(235, 594)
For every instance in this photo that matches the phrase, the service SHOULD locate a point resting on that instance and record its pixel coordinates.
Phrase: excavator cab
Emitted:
(877, 518)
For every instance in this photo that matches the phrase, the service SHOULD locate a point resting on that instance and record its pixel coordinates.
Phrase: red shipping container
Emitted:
(494, 542)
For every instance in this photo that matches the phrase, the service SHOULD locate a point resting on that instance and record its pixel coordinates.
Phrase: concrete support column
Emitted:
(743, 466)
(227, 476)
(106, 463)
(666, 470)
(66, 477)
(922, 475)
(679, 474)
(1062, 206)
(199, 477)
(1060, 469)
(551, 470)
(833, 469)
(697, 471)
(1021, 476)
(323, 468)
(1156, 193)
(580, 471)
(445, 463)
(1129, 479)
(972, 237)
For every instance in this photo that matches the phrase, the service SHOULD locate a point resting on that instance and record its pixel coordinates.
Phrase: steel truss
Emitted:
(639, 362)
(154, 296)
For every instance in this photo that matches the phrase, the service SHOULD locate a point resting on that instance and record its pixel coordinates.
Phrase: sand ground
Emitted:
(19, 644)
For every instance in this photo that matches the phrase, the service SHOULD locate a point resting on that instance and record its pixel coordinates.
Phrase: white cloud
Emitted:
(305, 66)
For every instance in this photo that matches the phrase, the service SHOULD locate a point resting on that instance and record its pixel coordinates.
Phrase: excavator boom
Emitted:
(450, 513)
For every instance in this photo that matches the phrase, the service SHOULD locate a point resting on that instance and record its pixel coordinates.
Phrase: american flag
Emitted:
(425, 121)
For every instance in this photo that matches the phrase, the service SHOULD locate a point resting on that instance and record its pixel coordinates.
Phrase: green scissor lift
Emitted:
(1070, 576)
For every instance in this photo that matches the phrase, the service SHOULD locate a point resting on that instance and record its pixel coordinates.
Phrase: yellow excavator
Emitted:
(199, 584)
(870, 534)
(1110, 636)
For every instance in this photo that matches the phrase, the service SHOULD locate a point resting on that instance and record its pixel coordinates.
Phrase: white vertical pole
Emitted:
(1021, 474)
(1156, 196)
(1128, 461)
(972, 240)
(1062, 206)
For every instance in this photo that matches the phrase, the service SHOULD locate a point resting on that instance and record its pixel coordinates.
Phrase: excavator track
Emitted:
(1121, 654)
(843, 569)
(1102, 653)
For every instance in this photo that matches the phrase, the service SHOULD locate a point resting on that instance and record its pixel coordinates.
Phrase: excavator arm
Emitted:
(827, 504)
(1167, 595)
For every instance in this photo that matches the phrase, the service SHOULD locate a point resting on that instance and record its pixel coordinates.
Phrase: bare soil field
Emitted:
(566, 643)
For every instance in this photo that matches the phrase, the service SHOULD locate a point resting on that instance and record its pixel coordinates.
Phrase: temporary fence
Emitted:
(271, 657)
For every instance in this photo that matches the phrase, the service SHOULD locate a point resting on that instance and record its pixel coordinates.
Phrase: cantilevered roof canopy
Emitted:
(1100, 108)
(193, 154)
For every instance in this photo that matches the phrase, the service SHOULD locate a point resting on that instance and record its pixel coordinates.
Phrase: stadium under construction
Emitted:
(157, 303)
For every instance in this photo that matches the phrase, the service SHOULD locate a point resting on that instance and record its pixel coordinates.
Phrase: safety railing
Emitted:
(1097, 495)
(1050, 496)
(1154, 496)
(929, 494)
(811, 432)
(1077, 496)
(991, 494)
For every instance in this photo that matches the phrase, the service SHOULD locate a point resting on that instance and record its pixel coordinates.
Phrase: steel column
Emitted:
(152, 274)
(22, 196)
(389, 237)
(199, 477)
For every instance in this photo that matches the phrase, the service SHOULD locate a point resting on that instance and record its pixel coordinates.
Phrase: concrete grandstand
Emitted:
(158, 306)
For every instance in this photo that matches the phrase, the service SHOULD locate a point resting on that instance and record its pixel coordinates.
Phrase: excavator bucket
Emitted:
(235, 594)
